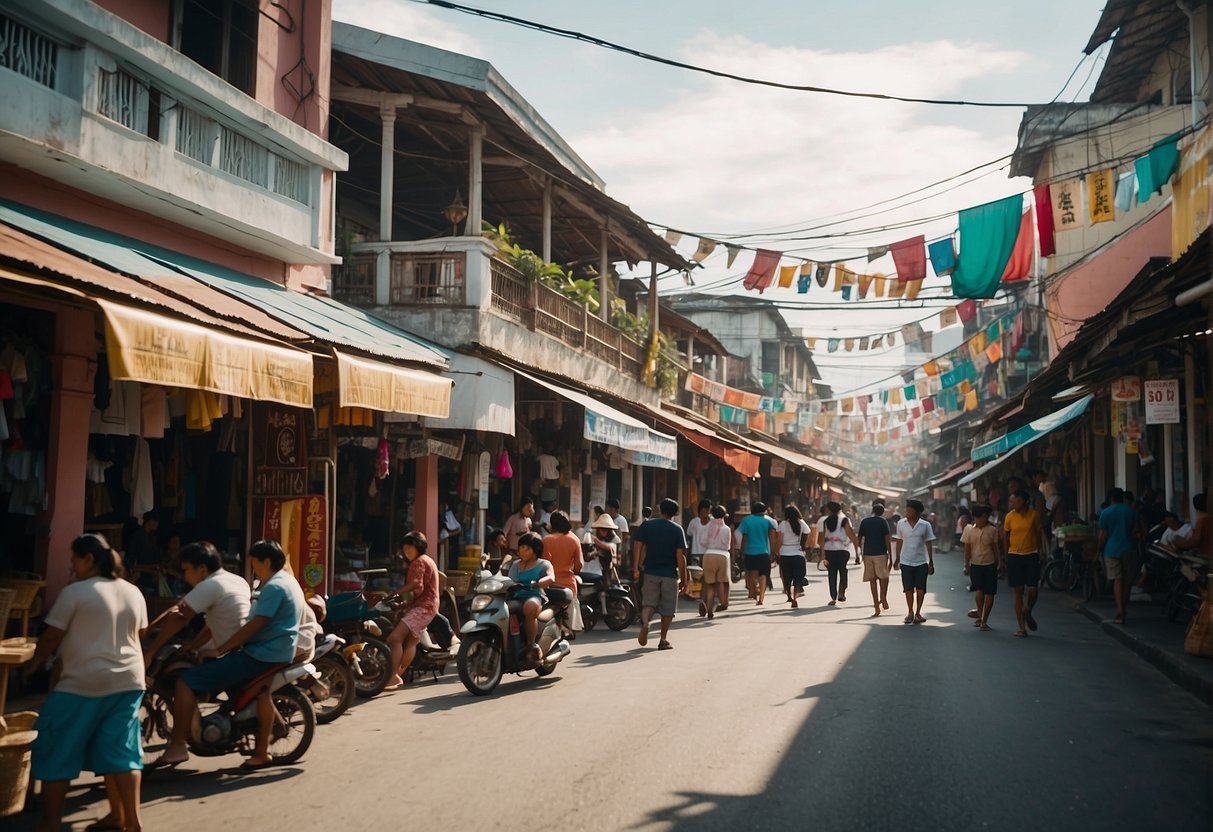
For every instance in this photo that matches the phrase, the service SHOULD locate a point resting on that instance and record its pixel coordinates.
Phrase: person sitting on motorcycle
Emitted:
(422, 581)
(534, 574)
(606, 541)
(266, 641)
(562, 549)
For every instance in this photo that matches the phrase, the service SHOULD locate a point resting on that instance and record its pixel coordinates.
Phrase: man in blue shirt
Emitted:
(757, 536)
(659, 547)
(266, 641)
(1117, 535)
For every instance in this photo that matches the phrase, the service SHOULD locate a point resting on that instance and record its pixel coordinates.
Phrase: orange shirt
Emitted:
(564, 553)
(1024, 531)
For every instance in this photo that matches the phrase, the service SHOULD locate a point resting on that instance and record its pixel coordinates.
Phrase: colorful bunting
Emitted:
(1044, 219)
(823, 274)
(733, 251)
(1020, 262)
(1156, 168)
(703, 250)
(1067, 197)
(762, 272)
(1101, 196)
(910, 258)
(786, 275)
(987, 235)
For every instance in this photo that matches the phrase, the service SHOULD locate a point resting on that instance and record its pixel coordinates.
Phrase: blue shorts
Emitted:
(87, 733)
(228, 673)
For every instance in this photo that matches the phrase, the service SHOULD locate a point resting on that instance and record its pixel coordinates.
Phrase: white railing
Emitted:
(289, 178)
(243, 158)
(123, 98)
(196, 135)
(28, 53)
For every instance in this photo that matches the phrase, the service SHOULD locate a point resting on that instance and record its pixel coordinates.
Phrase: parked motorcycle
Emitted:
(353, 617)
(332, 687)
(1188, 579)
(612, 605)
(437, 646)
(229, 725)
(493, 638)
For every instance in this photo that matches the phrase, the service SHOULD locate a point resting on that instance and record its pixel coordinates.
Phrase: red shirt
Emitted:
(563, 551)
(424, 572)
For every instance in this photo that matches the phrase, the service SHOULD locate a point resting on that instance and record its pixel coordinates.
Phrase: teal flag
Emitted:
(987, 236)
(1156, 168)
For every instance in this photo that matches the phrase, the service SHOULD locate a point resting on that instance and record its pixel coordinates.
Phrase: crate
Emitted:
(459, 583)
(26, 602)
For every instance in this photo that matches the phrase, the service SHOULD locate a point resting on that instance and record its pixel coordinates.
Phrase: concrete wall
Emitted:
(742, 333)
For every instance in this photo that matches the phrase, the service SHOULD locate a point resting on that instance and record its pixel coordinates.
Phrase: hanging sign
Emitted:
(313, 555)
(1099, 419)
(1162, 402)
(1126, 389)
(280, 468)
(482, 480)
(779, 468)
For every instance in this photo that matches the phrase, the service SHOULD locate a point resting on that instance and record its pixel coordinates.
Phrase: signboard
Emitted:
(482, 479)
(598, 488)
(779, 468)
(280, 463)
(1126, 389)
(417, 448)
(575, 499)
(1162, 402)
(1099, 419)
(313, 555)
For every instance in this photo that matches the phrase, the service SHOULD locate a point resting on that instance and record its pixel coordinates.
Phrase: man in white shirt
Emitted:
(621, 522)
(696, 539)
(222, 596)
(915, 558)
(1176, 529)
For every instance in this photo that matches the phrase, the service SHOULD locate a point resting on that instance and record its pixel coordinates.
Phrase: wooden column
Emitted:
(475, 182)
(547, 219)
(425, 502)
(604, 283)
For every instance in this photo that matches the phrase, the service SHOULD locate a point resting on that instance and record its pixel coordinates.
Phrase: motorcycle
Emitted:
(332, 687)
(353, 617)
(436, 648)
(493, 638)
(229, 724)
(613, 605)
(1188, 579)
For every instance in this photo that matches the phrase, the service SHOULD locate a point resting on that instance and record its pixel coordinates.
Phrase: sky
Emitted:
(718, 157)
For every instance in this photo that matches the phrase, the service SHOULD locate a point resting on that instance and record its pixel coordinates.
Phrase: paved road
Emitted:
(766, 718)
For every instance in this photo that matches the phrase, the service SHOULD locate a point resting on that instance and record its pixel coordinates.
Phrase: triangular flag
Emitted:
(823, 274)
(864, 343)
(896, 288)
(705, 248)
(912, 289)
(849, 345)
(948, 317)
(673, 237)
(892, 339)
(967, 310)
(1021, 256)
(876, 252)
(879, 280)
(865, 283)
(878, 342)
(732, 250)
(762, 272)
(846, 291)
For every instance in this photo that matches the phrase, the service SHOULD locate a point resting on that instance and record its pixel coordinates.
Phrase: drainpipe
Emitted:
(1198, 102)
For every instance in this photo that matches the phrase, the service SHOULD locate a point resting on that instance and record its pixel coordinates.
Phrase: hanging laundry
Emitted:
(876, 252)
(762, 272)
(786, 275)
(1156, 168)
(948, 317)
(673, 237)
(733, 252)
(846, 292)
(1020, 262)
(143, 487)
(1044, 219)
(943, 257)
(994, 330)
(833, 345)
(987, 235)
(910, 258)
(967, 310)
(806, 277)
(1067, 199)
(703, 250)
(1124, 191)
(823, 274)
(1100, 196)
(912, 289)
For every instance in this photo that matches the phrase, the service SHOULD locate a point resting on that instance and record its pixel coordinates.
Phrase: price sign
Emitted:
(1126, 389)
(1162, 402)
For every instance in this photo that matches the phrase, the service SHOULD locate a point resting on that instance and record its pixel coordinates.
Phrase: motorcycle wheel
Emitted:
(337, 675)
(589, 617)
(376, 663)
(620, 613)
(735, 570)
(1089, 582)
(1059, 575)
(295, 708)
(480, 664)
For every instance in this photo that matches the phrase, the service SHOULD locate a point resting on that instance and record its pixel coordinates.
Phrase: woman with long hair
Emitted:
(834, 531)
(793, 535)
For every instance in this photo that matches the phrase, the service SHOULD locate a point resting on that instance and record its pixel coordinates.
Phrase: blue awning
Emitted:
(1038, 428)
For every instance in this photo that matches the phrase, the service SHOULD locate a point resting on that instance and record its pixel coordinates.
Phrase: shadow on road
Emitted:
(510, 686)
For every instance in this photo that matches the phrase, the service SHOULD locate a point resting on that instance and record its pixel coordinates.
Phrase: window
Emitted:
(221, 36)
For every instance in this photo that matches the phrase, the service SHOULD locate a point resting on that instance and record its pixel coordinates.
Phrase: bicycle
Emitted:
(1080, 567)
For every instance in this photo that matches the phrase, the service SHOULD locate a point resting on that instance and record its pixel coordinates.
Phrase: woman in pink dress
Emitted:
(422, 581)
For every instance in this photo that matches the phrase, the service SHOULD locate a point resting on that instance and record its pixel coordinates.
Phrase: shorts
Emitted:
(875, 567)
(984, 578)
(87, 733)
(792, 570)
(715, 569)
(417, 619)
(660, 593)
(1118, 567)
(229, 672)
(914, 577)
(758, 563)
(1023, 570)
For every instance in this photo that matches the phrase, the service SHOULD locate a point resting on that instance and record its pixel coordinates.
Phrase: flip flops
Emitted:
(248, 765)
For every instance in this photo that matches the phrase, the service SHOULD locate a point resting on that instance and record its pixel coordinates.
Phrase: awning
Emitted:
(951, 474)
(1043, 427)
(482, 399)
(797, 459)
(362, 382)
(1032, 430)
(887, 493)
(156, 349)
(610, 426)
(739, 459)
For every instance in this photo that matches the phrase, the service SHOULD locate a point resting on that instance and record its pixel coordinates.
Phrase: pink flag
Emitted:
(762, 272)
(1044, 219)
(1020, 262)
(910, 258)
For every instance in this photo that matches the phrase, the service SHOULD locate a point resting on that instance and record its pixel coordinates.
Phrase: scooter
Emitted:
(333, 686)
(352, 617)
(612, 604)
(493, 638)
(436, 648)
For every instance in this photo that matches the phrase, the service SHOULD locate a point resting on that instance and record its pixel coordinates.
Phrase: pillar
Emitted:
(425, 504)
(475, 182)
(387, 178)
(547, 219)
(73, 365)
(604, 283)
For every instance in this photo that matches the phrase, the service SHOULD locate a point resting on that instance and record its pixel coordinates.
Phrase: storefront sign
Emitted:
(313, 557)
(434, 447)
(1126, 389)
(575, 499)
(1099, 418)
(779, 468)
(279, 482)
(280, 462)
(598, 488)
(482, 479)
(1162, 402)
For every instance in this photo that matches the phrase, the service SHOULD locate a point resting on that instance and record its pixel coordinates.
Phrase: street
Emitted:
(765, 718)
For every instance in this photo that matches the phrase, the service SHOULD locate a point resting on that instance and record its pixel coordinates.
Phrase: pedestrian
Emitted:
(1021, 531)
(696, 530)
(1117, 541)
(563, 549)
(836, 536)
(91, 719)
(876, 543)
(518, 524)
(793, 537)
(915, 558)
(758, 535)
(984, 561)
(660, 549)
(718, 541)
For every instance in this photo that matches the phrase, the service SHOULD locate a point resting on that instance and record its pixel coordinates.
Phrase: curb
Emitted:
(1167, 664)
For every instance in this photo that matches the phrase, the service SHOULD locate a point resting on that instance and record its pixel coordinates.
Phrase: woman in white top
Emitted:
(717, 543)
(836, 536)
(793, 535)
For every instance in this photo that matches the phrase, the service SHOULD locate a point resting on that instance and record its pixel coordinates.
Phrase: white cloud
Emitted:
(406, 20)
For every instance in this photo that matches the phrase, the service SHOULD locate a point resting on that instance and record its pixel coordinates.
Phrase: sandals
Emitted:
(664, 645)
(909, 619)
(1020, 634)
(985, 628)
(918, 619)
(1031, 621)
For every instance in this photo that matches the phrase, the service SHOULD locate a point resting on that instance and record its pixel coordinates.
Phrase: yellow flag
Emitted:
(1101, 193)
(786, 275)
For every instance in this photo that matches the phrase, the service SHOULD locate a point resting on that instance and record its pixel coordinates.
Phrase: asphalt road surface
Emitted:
(820, 718)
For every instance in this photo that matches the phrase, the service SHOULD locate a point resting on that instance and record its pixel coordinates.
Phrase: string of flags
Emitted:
(994, 244)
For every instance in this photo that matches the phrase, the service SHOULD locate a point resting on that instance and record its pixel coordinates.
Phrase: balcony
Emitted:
(136, 122)
(455, 291)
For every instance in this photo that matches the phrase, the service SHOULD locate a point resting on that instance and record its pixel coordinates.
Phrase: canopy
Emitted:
(1032, 430)
(797, 459)
(482, 399)
(950, 474)
(737, 458)
(887, 493)
(362, 382)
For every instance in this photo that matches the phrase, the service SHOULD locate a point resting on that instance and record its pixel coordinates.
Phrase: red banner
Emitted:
(313, 557)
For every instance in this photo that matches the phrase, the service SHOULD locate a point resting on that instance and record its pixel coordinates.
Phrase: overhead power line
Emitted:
(582, 37)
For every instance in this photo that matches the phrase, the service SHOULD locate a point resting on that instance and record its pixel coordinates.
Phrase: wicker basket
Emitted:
(26, 603)
(460, 583)
(15, 761)
(7, 596)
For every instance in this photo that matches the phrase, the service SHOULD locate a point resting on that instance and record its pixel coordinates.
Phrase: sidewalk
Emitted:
(1160, 642)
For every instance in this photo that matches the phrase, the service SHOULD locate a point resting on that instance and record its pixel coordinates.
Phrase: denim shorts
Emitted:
(228, 673)
(87, 733)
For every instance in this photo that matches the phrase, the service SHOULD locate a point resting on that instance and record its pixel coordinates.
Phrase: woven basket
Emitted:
(7, 596)
(15, 761)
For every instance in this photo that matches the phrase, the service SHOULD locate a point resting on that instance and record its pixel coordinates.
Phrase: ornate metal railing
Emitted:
(28, 53)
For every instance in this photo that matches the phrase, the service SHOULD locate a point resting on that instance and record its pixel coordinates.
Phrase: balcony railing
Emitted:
(428, 279)
(28, 53)
(354, 280)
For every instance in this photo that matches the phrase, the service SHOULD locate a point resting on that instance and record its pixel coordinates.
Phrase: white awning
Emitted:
(482, 399)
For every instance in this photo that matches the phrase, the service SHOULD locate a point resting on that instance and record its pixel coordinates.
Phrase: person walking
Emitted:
(915, 558)
(1117, 542)
(1021, 531)
(984, 560)
(793, 537)
(876, 544)
(718, 541)
(659, 547)
(758, 536)
(91, 719)
(836, 535)
(696, 530)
